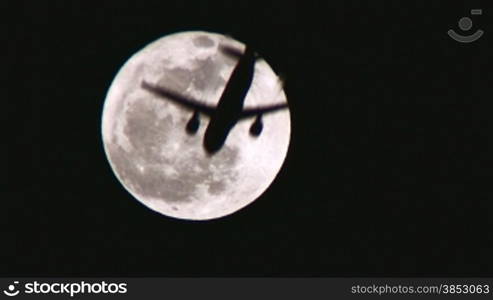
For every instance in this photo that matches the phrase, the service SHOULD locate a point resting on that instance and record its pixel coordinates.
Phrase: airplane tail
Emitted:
(236, 53)
(231, 51)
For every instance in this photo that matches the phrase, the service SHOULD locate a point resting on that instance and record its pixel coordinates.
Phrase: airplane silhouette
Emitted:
(229, 109)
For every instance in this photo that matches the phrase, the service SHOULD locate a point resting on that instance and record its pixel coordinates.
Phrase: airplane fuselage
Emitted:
(230, 105)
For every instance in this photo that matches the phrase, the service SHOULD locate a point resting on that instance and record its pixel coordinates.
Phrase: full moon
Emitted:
(150, 151)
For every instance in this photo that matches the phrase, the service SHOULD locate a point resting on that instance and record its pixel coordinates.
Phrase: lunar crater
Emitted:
(203, 41)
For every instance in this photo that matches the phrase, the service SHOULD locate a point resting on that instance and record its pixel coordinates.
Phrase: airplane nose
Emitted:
(211, 148)
(215, 136)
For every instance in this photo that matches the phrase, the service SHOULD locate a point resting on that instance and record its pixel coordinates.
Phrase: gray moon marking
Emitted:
(162, 166)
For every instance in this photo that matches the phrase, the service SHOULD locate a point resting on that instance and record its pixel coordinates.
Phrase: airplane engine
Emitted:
(193, 124)
(257, 126)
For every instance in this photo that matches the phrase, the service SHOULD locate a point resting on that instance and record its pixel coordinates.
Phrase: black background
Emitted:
(389, 167)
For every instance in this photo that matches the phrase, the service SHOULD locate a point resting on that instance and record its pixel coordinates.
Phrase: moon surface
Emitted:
(165, 168)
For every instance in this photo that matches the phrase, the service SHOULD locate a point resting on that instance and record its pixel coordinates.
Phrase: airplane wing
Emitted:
(184, 101)
(251, 112)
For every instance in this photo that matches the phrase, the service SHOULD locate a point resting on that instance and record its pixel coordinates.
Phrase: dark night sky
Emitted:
(388, 172)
